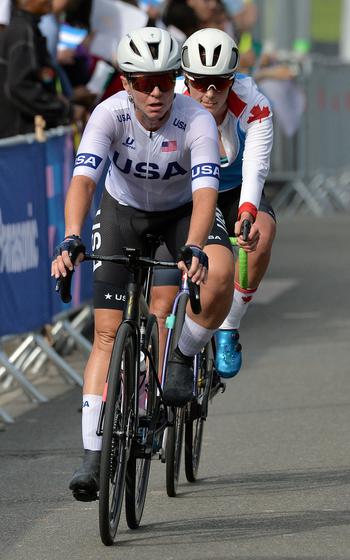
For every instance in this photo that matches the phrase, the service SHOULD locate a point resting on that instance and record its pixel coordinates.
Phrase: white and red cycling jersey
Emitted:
(247, 135)
(151, 171)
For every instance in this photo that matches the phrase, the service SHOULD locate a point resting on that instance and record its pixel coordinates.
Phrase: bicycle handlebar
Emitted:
(63, 284)
(132, 259)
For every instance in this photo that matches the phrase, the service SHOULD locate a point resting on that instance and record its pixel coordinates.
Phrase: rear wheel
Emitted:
(173, 451)
(117, 431)
(139, 463)
(197, 412)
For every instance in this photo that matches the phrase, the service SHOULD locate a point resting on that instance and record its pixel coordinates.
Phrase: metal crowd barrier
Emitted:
(35, 349)
(313, 166)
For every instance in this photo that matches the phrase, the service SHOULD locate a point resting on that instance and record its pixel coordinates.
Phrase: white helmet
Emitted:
(209, 52)
(149, 49)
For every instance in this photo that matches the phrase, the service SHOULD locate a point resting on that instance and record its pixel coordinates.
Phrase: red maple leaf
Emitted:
(246, 299)
(256, 113)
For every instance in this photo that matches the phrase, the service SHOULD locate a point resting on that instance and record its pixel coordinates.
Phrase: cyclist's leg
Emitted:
(258, 262)
(229, 356)
(164, 290)
(85, 481)
(110, 234)
(216, 297)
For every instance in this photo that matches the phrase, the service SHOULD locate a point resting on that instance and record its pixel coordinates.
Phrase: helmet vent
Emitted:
(203, 55)
(154, 48)
(234, 58)
(134, 48)
(185, 57)
(216, 54)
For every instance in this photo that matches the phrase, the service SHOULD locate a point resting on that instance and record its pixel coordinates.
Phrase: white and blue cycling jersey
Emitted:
(151, 171)
(246, 135)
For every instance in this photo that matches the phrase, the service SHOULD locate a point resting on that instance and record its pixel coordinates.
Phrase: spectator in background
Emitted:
(72, 58)
(180, 19)
(243, 15)
(27, 76)
(5, 9)
(221, 20)
(206, 11)
(153, 8)
(75, 58)
(49, 25)
(184, 17)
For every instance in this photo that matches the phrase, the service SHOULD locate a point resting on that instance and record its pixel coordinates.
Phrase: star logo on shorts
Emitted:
(108, 296)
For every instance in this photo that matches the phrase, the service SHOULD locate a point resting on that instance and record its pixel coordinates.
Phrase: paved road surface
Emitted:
(276, 458)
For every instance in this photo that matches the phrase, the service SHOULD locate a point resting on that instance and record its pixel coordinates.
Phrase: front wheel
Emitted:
(174, 432)
(139, 463)
(117, 431)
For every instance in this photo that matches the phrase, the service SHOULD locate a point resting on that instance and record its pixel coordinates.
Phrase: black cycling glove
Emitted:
(189, 251)
(73, 244)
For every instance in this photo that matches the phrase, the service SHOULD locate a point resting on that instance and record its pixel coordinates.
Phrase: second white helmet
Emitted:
(148, 50)
(209, 52)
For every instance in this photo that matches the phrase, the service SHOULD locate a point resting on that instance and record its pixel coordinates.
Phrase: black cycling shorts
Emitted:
(117, 226)
(228, 202)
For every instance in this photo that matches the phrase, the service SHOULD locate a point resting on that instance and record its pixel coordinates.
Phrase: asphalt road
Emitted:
(275, 468)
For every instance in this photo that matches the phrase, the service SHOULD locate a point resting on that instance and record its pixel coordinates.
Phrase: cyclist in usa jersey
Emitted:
(162, 179)
(244, 121)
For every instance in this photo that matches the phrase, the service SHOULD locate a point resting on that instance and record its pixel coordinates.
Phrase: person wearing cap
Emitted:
(163, 179)
(243, 117)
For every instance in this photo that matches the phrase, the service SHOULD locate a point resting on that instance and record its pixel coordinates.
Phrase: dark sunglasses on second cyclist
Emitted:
(147, 82)
(203, 83)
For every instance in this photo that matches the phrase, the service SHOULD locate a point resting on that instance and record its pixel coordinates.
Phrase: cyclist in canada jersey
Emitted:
(163, 179)
(244, 121)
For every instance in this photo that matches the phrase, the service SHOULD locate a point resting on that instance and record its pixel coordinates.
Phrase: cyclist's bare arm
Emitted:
(203, 214)
(78, 202)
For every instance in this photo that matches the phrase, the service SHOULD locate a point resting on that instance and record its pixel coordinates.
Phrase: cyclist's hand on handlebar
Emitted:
(194, 261)
(69, 253)
(251, 243)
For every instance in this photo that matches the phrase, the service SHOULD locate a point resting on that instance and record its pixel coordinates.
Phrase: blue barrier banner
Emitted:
(34, 179)
(59, 168)
(24, 273)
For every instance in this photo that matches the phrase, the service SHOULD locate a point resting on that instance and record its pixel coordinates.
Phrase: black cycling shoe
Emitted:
(178, 388)
(86, 480)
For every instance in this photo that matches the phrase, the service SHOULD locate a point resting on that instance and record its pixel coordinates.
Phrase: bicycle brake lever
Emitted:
(245, 229)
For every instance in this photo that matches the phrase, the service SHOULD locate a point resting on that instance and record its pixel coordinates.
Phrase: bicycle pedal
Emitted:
(219, 387)
(222, 386)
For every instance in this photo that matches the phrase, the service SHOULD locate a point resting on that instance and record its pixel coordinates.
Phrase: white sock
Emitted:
(240, 303)
(193, 337)
(90, 415)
